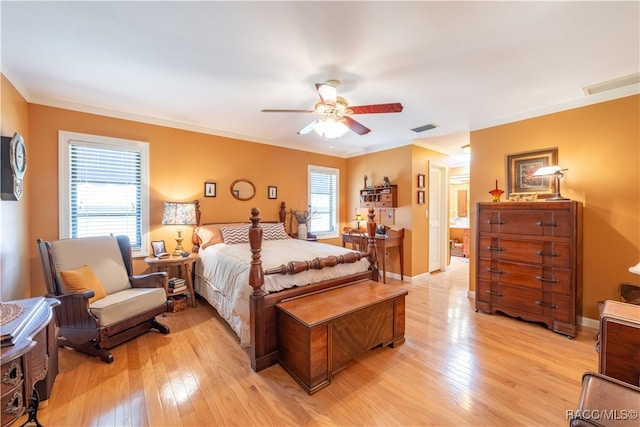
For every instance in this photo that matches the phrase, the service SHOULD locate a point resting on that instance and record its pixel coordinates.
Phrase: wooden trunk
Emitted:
(319, 334)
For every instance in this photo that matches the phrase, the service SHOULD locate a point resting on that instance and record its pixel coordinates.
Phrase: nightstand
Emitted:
(184, 267)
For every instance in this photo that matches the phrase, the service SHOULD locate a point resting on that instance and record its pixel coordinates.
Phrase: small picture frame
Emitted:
(421, 197)
(209, 189)
(272, 192)
(157, 246)
(420, 180)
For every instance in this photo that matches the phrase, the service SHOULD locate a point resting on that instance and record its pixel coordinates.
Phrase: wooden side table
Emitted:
(29, 356)
(184, 266)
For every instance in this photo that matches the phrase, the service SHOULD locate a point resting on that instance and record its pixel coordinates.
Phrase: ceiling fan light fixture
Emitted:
(329, 128)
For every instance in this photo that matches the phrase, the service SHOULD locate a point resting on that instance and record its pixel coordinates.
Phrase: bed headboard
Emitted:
(195, 239)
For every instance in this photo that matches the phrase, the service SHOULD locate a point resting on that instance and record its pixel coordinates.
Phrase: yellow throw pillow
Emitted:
(83, 279)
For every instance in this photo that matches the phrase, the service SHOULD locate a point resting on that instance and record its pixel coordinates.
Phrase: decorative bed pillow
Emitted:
(210, 234)
(274, 231)
(235, 234)
(83, 279)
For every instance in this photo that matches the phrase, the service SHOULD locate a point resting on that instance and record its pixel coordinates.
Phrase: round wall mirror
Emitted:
(243, 189)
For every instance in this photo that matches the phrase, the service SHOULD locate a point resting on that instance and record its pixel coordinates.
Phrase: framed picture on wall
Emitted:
(272, 192)
(520, 170)
(421, 197)
(420, 180)
(209, 189)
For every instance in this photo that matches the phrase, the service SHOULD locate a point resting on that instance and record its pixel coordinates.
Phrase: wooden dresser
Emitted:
(619, 346)
(530, 261)
(29, 355)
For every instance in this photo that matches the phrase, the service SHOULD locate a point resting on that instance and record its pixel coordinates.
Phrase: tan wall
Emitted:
(15, 246)
(599, 145)
(180, 163)
(401, 165)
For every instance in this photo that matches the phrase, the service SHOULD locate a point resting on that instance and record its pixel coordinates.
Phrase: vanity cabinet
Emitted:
(530, 261)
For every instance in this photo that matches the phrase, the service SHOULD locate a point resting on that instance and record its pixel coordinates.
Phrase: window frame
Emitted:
(336, 196)
(65, 140)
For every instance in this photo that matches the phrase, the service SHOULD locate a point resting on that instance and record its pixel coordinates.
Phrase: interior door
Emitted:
(437, 216)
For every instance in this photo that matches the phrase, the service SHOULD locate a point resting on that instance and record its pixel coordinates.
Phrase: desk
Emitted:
(392, 239)
(179, 262)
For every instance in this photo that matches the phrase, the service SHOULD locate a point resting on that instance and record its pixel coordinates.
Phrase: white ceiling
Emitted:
(212, 66)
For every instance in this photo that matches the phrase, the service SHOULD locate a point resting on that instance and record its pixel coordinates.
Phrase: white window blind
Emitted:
(104, 191)
(323, 198)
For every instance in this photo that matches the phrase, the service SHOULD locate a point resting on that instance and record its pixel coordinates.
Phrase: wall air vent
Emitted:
(425, 127)
(632, 79)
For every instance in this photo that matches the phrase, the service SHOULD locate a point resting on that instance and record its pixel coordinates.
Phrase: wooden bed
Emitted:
(263, 348)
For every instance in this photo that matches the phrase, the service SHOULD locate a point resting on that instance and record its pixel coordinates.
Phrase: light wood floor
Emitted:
(457, 367)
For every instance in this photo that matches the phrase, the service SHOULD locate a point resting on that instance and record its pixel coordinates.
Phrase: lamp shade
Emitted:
(176, 213)
(548, 170)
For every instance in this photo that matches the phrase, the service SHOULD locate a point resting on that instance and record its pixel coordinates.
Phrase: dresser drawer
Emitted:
(12, 404)
(525, 222)
(520, 274)
(11, 374)
(521, 299)
(530, 251)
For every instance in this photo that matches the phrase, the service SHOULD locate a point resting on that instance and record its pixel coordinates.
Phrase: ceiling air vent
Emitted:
(633, 79)
(425, 127)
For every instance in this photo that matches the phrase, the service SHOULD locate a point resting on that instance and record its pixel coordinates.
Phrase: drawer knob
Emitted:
(545, 304)
(491, 270)
(543, 253)
(547, 224)
(498, 294)
(491, 222)
(495, 248)
(547, 279)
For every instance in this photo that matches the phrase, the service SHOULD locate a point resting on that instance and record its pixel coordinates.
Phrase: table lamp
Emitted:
(357, 219)
(556, 172)
(176, 213)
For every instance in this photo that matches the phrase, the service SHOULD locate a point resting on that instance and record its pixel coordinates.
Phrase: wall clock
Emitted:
(13, 166)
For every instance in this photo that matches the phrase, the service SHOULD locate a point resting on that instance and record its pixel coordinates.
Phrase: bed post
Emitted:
(194, 236)
(372, 250)
(283, 212)
(257, 319)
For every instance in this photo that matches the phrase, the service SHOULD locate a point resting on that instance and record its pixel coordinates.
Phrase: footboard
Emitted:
(263, 321)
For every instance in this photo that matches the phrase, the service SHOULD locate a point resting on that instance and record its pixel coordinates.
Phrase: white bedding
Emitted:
(222, 275)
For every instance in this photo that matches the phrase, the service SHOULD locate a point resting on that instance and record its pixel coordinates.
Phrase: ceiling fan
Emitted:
(335, 111)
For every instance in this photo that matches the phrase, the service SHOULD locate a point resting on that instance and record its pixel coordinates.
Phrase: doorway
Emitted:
(438, 204)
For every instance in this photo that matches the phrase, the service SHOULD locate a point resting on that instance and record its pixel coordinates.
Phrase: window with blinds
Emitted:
(103, 191)
(323, 198)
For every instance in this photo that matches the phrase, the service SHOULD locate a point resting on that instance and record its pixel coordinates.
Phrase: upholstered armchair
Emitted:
(102, 303)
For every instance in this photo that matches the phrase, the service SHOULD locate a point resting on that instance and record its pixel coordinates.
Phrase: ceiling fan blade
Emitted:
(358, 128)
(395, 107)
(287, 111)
(308, 128)
(327, 92)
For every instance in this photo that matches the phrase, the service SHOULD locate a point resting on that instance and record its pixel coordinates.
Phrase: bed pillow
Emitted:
(274, 231)
(210, 234)
(233, 234)
(83, 279)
